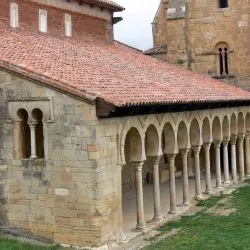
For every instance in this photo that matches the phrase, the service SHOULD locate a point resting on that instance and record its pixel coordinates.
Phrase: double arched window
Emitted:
(222, 67)
(223, 57)
(29, 137)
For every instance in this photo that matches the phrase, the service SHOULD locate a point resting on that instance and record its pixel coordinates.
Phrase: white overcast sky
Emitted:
(135, 29)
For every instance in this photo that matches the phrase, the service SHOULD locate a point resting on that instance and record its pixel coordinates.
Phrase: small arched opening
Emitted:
(37, 115)
(223, 4)
(22, 135)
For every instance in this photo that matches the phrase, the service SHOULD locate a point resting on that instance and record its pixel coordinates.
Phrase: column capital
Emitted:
(184, 151)
(233, 139)
(241, 137)
(217, 143)
(32, 124)
(155, 160)
(225, 142)
(196, 149)
(207, 145)
(138, 165)
(248, 135)
(171, 157)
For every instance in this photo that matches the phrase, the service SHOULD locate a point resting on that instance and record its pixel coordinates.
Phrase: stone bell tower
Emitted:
(206, 36)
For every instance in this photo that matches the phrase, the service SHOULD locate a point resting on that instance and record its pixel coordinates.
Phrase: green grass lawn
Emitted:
(9, 244)
(223, 223)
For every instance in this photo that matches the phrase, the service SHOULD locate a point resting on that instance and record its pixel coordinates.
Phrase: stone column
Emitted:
(197, 150)
(184, 155)
(217, 145)
(190, 164)
(118, 181)
(207, 146)
(32, 126)
(247, 154)
(241, 157)
(233, 158)
(141, 224)
(157, 197)
(171, 161)
(225, 161)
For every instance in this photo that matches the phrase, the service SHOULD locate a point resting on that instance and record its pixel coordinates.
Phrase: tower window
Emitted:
(223, 58)
(223, 3)
(68, 25)
(42, 20)
(13, 15)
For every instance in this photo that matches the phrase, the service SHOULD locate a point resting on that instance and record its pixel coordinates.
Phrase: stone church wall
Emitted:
(55, 197)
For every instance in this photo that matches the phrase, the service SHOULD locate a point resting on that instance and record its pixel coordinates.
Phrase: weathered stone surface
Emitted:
(194, 30)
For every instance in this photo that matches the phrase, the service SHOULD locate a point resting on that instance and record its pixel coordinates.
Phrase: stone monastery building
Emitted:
(99, 142)
(207, 36)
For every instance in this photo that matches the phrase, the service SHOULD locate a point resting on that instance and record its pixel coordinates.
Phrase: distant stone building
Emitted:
(94, 135)
(206, 36)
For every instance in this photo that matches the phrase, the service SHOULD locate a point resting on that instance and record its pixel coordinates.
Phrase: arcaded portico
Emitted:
(147, 140)
(99, 141)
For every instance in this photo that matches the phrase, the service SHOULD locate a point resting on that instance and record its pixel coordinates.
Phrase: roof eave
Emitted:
(107, 110)
(112, 7)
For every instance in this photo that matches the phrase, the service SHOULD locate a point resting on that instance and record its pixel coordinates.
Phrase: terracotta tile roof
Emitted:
(104, 3)
(116, 73)
(162, 49)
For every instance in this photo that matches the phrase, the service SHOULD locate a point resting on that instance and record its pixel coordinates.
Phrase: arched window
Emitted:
(22, 135)
(223, 3)
(38, 116)
(223, 60)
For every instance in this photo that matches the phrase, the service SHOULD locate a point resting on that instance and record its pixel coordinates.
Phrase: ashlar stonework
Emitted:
(98, 142)
(195, 30)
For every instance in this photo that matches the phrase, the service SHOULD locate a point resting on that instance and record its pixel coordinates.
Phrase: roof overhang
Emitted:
(110, 5)
(108, 110)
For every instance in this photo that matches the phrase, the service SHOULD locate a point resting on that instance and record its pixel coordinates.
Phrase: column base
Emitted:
(157, 218)
(173, 212)
(140, 228)
(248, 176)
(242, 179)
(209, 192)
(198, 197)
(226, 183)
(185, 204)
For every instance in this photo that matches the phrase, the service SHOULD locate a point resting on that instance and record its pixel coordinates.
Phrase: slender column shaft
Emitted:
(141, 224)
(241, 157)
(233, 158)
(157, 198)
(225, 162)
(208, 167)
(223, 63)
(217, 164)
(32, 126)
(190, 165)
(171, 161)
(247, 154)
(196, 150)
(118, 179)
(184, 155)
